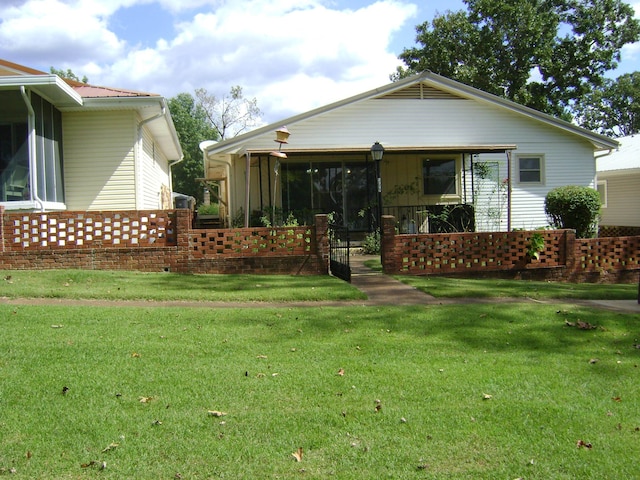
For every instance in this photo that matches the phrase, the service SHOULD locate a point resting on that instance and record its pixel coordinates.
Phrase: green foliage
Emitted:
(371, 243)
(495, 46)
(192, 126)
(535, 245)
(68, 74)
(574, 207)
(211, 209)
(613, 108)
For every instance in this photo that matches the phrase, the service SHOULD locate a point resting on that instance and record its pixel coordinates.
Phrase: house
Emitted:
(619, 187)
(454, 158)
(66, 145)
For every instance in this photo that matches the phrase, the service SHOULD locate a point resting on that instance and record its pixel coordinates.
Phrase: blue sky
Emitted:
(291, 55)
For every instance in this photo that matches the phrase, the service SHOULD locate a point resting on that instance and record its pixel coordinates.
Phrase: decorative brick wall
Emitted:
(157, 241)
(504, 254)
(617, 231)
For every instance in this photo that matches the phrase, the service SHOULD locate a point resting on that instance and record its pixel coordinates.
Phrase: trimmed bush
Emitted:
(574, 207)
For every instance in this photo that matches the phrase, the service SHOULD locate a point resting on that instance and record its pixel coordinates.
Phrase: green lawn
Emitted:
(124, 285)
(438, 392)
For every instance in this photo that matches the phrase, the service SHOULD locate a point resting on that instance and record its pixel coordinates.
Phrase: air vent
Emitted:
(421, 91)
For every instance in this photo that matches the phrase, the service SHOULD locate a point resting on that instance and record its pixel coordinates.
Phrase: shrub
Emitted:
(574, 207)
(371, 244)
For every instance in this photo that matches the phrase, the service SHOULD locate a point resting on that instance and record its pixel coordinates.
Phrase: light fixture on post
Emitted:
(282, 135)
(377, 151)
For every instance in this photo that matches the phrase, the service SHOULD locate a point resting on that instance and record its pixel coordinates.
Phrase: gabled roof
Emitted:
(423, 85)
(71, 95)
(626, 158)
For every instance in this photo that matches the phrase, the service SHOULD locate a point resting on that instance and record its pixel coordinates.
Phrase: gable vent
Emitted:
(420, 92)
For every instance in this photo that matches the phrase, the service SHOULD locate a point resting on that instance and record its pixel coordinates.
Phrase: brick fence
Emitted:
(157, 241)
(504, 254)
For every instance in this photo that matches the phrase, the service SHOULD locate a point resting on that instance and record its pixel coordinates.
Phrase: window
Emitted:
(439, 176)
(530, 169)
(602, 190)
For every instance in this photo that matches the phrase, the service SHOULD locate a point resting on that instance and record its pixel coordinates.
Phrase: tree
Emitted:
(546, 54)
(192, 124)
(614, 108)
(68, 75)
(230, 115)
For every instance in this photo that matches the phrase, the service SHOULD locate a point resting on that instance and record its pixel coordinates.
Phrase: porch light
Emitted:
(377, 151)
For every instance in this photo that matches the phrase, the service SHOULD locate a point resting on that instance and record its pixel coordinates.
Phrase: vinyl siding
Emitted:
(623, 204)
(442, 122)
(99, 160)
(153, 174)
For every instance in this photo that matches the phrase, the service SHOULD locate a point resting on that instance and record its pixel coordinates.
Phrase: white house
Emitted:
(65, 145)
(619, 184)
(452, 155)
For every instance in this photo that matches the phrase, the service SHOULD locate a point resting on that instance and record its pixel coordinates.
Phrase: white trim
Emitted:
(539, 156)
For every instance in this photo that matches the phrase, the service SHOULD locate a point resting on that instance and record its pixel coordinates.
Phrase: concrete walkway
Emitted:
(385, 290)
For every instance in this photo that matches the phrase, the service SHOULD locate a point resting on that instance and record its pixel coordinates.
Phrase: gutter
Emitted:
(32, 149)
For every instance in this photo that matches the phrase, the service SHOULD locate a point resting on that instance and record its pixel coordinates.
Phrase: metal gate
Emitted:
(339, 244)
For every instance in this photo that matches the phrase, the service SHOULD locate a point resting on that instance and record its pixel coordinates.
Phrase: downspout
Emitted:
(33, 179)
(139, 161)
(508, 190)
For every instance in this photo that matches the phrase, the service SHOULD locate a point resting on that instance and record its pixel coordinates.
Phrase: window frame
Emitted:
(540, 157)
(456, 159)
(604, 194)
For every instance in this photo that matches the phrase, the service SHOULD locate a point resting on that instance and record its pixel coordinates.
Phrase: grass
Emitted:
(450, 287)
(122, 285)
(72, 380)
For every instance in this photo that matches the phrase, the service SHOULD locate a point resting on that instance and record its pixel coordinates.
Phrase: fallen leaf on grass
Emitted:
(135, 355)
(262, 357)
(583, 444)
(486, 396)
(57, 326)
(216, 413)
(145, 399)
(581, 325)
(616, 399)
(298, 454)
(341, 372)
(111, 446)
(378, 406)
(65, 389)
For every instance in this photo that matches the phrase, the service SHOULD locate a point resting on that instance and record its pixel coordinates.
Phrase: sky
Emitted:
(291, 55)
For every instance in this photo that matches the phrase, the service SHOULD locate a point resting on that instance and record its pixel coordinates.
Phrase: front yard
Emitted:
(437, 392)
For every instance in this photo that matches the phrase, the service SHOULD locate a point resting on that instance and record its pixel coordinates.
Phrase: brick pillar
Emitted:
(387, 244)
(322, 242)
(570, 253)
(1, 228)
(182, 226)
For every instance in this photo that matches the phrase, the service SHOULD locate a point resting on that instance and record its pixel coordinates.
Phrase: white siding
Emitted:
(99, 160)
(153, 174)
(425, 124)
(623, 206)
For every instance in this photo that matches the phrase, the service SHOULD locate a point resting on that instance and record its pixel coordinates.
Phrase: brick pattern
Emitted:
(470, 252)
(607, 254)
(259, 242)
(35, 231)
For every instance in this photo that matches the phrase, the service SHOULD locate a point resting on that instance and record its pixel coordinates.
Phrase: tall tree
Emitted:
(547, 54)
(68, 74)
(231, 114)
(192, 124)
(614, 108)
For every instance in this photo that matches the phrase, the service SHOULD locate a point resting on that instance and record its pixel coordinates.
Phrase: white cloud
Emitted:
(292, 55)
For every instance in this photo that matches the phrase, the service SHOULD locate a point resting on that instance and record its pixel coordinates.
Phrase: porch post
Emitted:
(508, 190)
(246, 190)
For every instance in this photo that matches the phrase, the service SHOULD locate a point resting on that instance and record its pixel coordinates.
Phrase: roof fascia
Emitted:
(601, 142)
(44, 82)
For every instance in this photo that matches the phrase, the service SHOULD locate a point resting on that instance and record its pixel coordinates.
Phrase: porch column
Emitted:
(509, 190)
(246, 190)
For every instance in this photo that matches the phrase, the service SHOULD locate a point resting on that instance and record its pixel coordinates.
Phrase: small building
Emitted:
(455, 158)
(66, 145)
(619, 187)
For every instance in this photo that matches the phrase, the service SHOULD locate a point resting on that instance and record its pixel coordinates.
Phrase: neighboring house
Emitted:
(619, 185)
(65, 145)
(447, 147)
